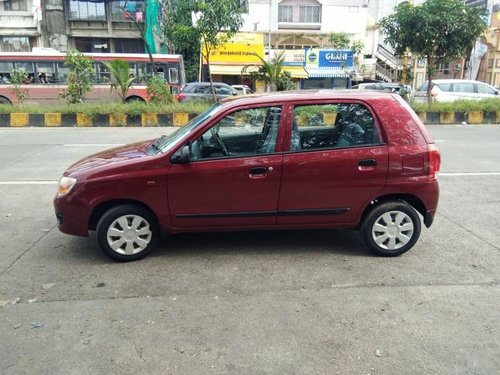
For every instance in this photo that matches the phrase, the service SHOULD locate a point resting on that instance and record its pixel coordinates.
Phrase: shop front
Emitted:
(233, 61)
(328, 68)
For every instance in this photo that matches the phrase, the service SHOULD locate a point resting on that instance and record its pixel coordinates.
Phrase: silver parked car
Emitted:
(450, 90)
(203, 91)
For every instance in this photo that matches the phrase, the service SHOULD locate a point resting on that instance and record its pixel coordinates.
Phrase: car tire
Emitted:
(391, 228)
(4, 100)
(127, 232)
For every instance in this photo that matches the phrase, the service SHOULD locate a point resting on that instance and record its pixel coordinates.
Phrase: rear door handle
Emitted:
(367, 162)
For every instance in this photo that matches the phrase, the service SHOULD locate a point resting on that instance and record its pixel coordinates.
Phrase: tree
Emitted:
(120, 77)
(189, 24)
(79, 78)
(437, 30)
(145, 28)
(216, 22)
(179, 36)
(272, 72)
(341, 40)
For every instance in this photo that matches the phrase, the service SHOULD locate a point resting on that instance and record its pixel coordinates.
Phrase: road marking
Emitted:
(46, 182)
(93, 144)
(453, 174)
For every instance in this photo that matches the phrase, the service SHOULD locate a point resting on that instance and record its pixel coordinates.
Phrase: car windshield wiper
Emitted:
(157, 142)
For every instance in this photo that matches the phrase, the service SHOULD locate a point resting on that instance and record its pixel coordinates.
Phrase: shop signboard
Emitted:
(243, 48)
(329, 58)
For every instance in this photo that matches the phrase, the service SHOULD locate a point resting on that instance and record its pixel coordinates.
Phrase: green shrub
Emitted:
(79, 78)
(465, 106)
(17, 78)
(159, 90)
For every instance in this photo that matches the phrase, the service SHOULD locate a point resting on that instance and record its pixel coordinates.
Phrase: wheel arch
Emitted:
(412, 200)
(103, 207)
(5, 100)
(134, 98)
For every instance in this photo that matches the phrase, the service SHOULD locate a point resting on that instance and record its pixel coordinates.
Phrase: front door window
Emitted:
(241, 133)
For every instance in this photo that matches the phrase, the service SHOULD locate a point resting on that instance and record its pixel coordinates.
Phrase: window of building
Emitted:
(310, 13)
(92, 45)
(129, 45)
(14, 44)
(127, 10)
(87, 10)
(15, 5)
(294, 11)
(285, 13)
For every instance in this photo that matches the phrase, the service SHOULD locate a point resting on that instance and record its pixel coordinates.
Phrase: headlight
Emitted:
(65, 185)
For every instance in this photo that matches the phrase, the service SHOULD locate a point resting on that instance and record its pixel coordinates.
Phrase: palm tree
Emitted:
(120, 77)
(273, 70)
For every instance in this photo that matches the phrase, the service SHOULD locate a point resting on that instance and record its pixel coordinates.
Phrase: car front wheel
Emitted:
(127, 233)
(391, 228)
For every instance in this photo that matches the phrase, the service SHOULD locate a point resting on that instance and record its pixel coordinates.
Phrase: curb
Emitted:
(459, 118)
(18, 119)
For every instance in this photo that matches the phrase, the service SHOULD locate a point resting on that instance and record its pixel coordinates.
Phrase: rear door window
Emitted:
(463, 87)
(446, 87)
(338, 125)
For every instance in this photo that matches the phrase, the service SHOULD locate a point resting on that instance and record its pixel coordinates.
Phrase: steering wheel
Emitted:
(219, 144)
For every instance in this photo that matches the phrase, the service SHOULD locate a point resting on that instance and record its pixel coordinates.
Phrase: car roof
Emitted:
(451, 80)
(206, 84)
(303, 95)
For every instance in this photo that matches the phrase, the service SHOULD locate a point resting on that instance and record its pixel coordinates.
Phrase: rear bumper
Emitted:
(428, 218)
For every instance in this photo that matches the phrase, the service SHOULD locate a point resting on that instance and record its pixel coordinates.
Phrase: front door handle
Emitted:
(367, 163)
(258, 171)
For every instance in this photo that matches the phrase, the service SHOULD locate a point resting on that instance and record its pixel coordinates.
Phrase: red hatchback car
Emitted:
(312, 159)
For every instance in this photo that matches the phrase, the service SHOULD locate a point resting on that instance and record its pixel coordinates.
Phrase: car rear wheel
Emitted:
(127, 233)
(4, 100)
(391, 228)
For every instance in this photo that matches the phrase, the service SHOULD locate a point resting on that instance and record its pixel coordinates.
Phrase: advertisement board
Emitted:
(241, 49)
(329, 58)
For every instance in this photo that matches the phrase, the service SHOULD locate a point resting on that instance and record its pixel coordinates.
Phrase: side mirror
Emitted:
(181, 156)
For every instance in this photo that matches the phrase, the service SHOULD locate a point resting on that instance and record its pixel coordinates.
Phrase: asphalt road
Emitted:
(301, 302)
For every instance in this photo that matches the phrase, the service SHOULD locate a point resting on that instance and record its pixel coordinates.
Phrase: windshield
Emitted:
(166, 142)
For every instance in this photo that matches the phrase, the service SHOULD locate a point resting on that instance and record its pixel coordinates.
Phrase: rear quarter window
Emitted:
(483, 89)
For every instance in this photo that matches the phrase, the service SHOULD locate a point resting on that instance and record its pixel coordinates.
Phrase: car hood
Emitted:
(115, 157)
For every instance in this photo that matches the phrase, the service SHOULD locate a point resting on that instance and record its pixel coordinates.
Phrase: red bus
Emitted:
(47, 75)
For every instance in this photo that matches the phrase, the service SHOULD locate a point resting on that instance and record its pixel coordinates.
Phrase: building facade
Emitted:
(89, 26)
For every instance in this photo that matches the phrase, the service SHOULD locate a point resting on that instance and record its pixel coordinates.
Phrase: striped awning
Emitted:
(324, 72)
(295, 71)
(234, 70)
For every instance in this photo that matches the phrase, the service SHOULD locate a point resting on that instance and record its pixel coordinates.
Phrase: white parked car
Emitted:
(449, 90)
(243, 89)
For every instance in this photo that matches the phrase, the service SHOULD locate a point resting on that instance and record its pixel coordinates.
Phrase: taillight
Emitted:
(434, 160)
(179, 97)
